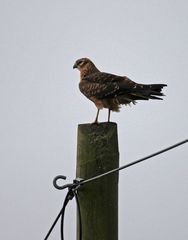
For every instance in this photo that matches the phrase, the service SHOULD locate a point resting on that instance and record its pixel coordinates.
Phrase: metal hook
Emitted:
(76, 182)
(58, 186)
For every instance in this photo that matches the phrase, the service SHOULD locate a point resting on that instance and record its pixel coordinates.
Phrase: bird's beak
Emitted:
(75, 65)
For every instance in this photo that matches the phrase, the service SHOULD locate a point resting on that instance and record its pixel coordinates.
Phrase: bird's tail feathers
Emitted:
(155, 87)
(151, 91)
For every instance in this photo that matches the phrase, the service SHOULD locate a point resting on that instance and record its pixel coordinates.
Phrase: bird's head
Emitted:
(82, 63)
(85, 66)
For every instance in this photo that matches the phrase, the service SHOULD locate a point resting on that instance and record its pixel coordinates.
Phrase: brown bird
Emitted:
(111, 91)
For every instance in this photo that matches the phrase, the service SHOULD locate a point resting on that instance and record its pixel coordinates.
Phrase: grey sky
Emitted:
(40, 107)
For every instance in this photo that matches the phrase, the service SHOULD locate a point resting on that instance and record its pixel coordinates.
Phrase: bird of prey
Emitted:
(111, 91)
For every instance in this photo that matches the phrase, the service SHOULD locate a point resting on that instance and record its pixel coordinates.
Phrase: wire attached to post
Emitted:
(72, 192)
(78, 182)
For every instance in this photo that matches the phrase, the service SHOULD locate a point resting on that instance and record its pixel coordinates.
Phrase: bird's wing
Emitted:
(103, 77)
(104, 85)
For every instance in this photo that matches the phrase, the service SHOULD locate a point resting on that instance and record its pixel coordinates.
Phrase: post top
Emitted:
(97, 130)
(96, 125)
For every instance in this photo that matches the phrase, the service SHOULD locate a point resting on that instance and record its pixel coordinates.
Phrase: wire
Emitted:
(53, 225)
(77, 183)
(70, 195)
(61, 214)
(72, 192)
(79, 216)
(134, 162)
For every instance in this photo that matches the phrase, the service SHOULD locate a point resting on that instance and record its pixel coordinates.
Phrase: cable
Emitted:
(70, 195)
(72, 192)
(77, 183)
(133, 163)
(79, 215)
(61, 214)
(67, 198)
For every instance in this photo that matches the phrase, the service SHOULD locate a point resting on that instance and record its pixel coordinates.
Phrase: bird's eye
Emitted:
(81, 63)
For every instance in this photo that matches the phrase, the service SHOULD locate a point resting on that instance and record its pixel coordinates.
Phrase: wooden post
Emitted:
(97, 152)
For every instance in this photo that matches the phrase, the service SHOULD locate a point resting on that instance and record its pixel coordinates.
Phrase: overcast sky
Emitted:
(41, 106)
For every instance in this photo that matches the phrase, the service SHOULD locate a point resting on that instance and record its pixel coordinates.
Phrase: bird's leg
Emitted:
(96, 119)
(109, 115)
